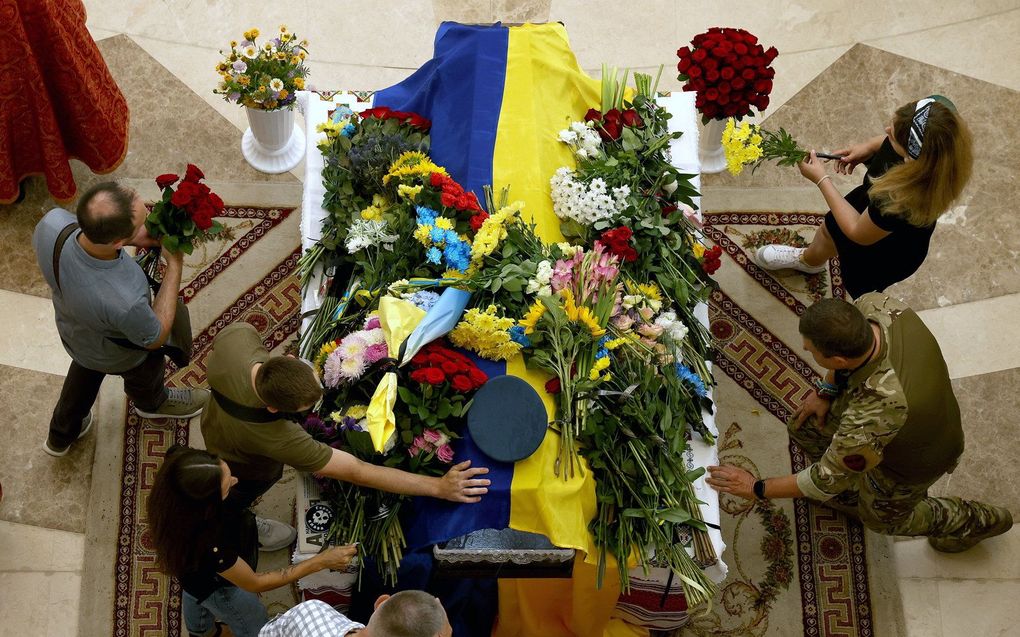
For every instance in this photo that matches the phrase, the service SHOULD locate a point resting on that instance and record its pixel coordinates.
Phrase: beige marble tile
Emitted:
(642, 35)
(18, 269)
(922, 611)
(969, 347)
(34, 548)
(987, 608)
(519, 11)
(987, 472)
(914, 559)
(30, 339)
(995, 559)
(40, 603)
(38, 489)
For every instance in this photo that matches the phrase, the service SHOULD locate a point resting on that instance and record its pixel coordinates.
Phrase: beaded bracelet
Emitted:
(826, 390)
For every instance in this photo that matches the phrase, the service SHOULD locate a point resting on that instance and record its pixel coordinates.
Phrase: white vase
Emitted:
(273, 143)
(711, 153)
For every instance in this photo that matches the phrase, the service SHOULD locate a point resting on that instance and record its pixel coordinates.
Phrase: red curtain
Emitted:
(57, 98)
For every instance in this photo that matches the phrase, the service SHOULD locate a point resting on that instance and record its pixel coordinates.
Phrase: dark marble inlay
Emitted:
(38, 489)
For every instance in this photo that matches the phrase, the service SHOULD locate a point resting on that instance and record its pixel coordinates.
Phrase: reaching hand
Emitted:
(458, 484)
(732, 480)
(852, 156)
(813, 405)
(173, 259)
(338, 557)
(812, 168)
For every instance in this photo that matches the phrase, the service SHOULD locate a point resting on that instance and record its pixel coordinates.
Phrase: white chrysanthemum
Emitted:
(585, 203)
(250, 52)
(352, 368)
(276, 84)
(365, 233)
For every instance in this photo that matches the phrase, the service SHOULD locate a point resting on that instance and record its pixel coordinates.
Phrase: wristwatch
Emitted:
(759, 489)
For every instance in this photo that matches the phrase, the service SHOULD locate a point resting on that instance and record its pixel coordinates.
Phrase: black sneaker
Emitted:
(58, 452)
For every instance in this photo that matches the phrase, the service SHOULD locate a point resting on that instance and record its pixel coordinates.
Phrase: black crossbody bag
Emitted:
(178, 345)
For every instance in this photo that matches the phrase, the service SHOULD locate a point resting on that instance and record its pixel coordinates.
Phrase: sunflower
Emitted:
(533, 316)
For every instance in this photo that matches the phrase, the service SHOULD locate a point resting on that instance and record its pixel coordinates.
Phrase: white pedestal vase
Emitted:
(711, 153)
(273, 143)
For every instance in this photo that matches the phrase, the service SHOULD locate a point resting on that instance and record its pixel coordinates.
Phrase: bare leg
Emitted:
(821, 249)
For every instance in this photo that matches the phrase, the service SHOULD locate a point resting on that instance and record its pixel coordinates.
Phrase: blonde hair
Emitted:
(923, 189)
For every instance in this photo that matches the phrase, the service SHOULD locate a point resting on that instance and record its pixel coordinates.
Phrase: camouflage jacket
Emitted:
(877, 425)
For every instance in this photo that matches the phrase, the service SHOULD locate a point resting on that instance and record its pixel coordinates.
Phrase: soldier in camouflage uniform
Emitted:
(882, 428)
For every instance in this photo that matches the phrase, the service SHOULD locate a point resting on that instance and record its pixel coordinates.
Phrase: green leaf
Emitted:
(677, 515)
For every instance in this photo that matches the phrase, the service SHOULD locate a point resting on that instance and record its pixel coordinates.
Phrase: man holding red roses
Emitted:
(105, 317)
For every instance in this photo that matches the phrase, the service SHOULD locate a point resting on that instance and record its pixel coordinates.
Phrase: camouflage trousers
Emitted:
(889, 507)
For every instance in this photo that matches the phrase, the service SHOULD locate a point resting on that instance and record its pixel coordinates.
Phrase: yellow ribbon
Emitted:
(398, 318)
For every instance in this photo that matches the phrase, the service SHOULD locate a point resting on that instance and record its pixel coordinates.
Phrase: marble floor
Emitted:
(841, 65)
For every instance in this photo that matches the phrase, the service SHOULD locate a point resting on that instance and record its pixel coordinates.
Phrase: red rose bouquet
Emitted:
(437, 405)
(183, 217)
(730, 72)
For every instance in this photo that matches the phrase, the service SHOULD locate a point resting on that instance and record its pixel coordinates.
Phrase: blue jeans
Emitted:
(239, 609)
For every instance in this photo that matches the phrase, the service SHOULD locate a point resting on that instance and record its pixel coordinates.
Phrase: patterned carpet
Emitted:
(793, 564)
(147, 603)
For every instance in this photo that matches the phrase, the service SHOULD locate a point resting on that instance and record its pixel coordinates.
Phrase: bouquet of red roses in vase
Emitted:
(730, 72)
(183, 218)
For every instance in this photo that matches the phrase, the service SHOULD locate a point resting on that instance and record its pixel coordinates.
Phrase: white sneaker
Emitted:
(274, 535)
(780, 257)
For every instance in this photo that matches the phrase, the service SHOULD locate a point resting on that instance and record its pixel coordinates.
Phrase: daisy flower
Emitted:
(276, 84)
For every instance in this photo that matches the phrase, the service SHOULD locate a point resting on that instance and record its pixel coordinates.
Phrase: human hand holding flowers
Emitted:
(812, 168)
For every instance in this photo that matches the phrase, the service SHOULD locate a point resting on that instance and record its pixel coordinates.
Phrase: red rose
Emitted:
(694, 72)
(724, 99)
(763, 86)
(610, 131)
(683, 52)
(712, 75)
(710, 266)
(593, 115)
(193, 174)
(379, 112)
(186, 191)
(434, 376)
(763, 103)
(401, 115)
(710, 64)
(725, 88)
(167, 180)
(436, 180)
(553, 386)
(683, 65)
(771, 53)
(463, 383)
(711, 111)
(477, 220)
(632, 119)
(738, 83)
(740, 48)
(699, 54)
(726, 73)
(748, 74)
(712, 94)
(668, 209)
(203, 215)
(720, 51)
(478, 376)
(216, 202)
(420, 122)
(447, 200)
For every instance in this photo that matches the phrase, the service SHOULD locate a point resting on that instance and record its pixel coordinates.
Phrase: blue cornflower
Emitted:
(691, 378)
(517, 336)
(434, 256)
(426, 216)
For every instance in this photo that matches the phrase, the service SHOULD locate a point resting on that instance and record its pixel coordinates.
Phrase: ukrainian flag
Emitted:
(497, 97)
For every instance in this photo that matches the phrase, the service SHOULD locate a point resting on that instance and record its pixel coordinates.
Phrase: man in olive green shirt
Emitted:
(881, 429)
(243, 425)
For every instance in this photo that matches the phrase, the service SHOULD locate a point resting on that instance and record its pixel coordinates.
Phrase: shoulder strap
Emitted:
(58, 247)
(258, 415)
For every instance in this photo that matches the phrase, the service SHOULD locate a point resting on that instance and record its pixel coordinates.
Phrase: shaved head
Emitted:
(409, 614)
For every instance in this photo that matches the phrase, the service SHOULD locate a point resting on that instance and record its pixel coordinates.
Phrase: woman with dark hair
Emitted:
(212, 548)
(882, 229)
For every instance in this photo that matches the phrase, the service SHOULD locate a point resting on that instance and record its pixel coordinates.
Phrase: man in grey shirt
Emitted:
(99, 294)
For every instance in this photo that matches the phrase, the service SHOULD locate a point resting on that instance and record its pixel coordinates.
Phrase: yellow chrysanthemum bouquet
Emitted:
(267, 76)
(747, 144)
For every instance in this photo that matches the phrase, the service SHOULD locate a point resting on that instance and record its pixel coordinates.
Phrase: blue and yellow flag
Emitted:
(498, 97)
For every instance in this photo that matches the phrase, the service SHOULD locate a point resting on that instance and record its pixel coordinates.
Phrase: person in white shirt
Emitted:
(404, 614)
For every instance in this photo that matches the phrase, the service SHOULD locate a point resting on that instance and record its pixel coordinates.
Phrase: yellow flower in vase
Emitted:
(742, 145)
(299, 83)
